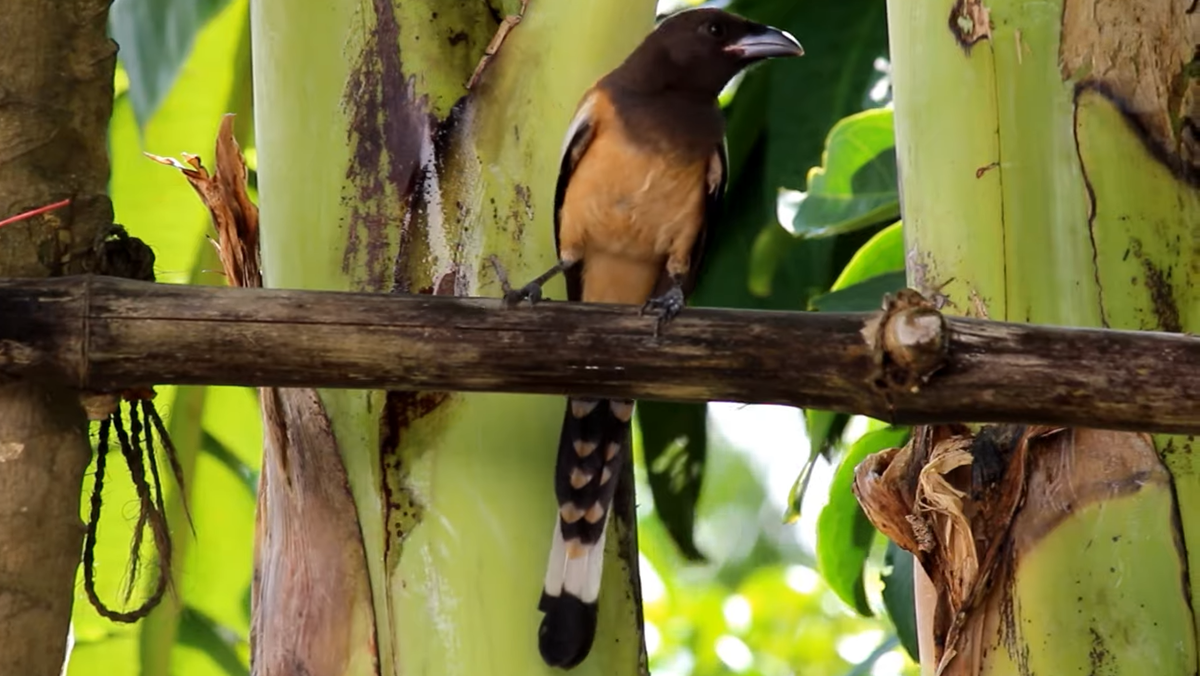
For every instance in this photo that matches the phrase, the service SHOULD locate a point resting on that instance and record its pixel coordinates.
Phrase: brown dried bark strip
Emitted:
(235, 216)
(1139, 54)
(310, 570)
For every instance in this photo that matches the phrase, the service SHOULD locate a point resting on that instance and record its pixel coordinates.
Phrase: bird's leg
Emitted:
(510, 22)
(667, 305)
(533, 290)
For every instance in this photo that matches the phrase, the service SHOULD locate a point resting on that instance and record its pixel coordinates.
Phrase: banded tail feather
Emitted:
(594, 444)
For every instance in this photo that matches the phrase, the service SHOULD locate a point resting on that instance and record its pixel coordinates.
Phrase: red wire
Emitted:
(36, 212)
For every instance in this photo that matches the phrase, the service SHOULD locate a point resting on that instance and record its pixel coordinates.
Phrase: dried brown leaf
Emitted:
(235, 216)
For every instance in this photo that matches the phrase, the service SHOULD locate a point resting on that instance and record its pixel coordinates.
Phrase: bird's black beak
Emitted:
(770, 43)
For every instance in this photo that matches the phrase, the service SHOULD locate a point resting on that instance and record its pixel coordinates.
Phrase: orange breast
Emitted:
(626, 210)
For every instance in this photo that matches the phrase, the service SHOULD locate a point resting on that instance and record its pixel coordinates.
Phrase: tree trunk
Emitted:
(55, 101)
(412, 528)
(1050, 165)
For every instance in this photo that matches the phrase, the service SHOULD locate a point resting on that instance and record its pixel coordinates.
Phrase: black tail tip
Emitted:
(567, 631)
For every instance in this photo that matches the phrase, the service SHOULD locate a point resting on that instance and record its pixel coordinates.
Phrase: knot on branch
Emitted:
(910, 341)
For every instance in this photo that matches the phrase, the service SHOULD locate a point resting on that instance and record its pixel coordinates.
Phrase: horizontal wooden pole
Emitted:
(106, 334)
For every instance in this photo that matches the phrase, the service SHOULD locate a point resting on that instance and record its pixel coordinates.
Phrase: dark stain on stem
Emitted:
(389, 127)
(1173, 158)
(1162, 297)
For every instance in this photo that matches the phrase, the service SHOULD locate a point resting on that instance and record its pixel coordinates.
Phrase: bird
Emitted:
(641, 177)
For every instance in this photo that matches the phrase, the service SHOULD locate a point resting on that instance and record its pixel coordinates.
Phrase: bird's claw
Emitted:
(667, 306)
(532, 291)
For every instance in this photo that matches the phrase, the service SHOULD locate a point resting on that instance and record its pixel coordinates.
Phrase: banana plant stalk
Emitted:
(408, 532)
(1050, 172)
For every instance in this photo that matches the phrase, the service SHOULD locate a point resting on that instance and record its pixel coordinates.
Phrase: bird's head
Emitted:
(702, 49)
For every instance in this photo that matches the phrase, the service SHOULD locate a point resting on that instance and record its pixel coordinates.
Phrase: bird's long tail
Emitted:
(595, 442)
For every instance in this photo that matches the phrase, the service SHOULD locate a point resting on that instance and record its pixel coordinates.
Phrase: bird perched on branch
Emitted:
(642, 175)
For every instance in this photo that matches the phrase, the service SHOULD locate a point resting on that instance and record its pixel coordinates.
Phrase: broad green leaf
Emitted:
(746, 119)
(864, 296)
(884, 252)
(824, 430)
(155, 39)
(220, 563)
(898, 596)
(795, 500)
(103, 654)
(154, 202)
(844, 534)
(776, 123)
(159, 628)
(209, 647)
(804, 267)
(808, 95)
(222, 454)
(877, 268)
(675, 445)
(856, 185)
(766, 252)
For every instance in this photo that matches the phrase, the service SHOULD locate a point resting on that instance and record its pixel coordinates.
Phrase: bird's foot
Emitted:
(666, 306)
(531, 291)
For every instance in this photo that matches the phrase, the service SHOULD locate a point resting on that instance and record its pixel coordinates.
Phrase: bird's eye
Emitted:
(716, 30)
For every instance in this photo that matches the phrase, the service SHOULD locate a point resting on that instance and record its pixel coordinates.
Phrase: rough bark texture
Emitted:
(56, 74)
(43, 453)
(104, 333)
(1138, 54)
(55, 101)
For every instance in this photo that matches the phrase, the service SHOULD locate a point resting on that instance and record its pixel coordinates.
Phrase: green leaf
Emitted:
(857, 186)
(804, 267)
(808, 95)
(795, 500)
(884, 252)
(148, 196)
(844, 534)
(824, 431)
(160, 627)
(675, 445)
(746, 119)
(862, 297)
(898, 596)
(778, 118)
(768, 249)
(877, 268)
(219, 644)
(222, 564)
(155, 39)
(219, 452)
(776, 123)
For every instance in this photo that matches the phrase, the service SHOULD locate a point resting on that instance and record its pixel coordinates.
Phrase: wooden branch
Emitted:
(106, 334)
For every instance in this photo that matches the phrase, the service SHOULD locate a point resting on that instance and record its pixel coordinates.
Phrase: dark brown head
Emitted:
(700, 50)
